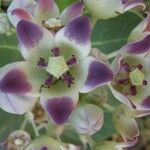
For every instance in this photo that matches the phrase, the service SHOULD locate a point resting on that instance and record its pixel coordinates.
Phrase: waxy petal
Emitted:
(76, 37)
(15, 103)
(141, 46)
(141, 30)
(44, 143)
(20, 9)
(125, 124)
(58, 108)
(87, 119)
(74, 10)
(35, 41)
(21, 78)
(96, 73)
(102, 10)
(46, 9)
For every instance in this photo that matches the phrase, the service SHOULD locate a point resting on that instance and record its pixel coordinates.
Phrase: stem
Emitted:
(31, 120)
(93, 20)
(137, 13)
(112, 55)
(23, 125)
(109, 107)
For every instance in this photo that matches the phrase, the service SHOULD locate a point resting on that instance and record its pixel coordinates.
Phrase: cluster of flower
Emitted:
(60, 65)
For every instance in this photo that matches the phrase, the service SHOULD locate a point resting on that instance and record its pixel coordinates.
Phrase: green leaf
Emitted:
(9, 50)
(71, 136)
(62, 4)
(8, 124)
(110, 35)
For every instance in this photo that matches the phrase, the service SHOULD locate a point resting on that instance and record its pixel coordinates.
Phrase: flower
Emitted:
(102, 10)
(43, 12)
(45, 143)
(87, 119)
(56, 69)
(131, 76)
(125, 124)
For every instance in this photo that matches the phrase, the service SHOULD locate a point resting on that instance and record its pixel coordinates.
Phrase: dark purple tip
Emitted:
(99, 74)
(146, 102)
(44, 148)
(60, 109)
(133, 90)
(15, 81)
(29, 34)
(79, 29)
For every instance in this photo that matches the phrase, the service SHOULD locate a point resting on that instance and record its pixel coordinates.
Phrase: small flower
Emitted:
(102, 10)
(45, 143)
(87, 119)
(42, 11)
(125, 124)
(17, 140)
(131, 76)
(56, 69)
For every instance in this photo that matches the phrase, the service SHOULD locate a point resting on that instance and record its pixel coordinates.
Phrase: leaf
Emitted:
(71, 136)
(8, 124)
(110, 35)
(9, 50)
(62, 4)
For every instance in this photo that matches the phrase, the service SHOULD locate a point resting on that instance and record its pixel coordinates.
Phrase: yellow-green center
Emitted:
(57, 66)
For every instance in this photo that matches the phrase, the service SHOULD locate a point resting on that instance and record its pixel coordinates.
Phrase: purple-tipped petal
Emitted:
(74, 10)
(15, 103)
(19, 14)
(35, 41)
(20, 9)
(59, 109)
(138, 47)
(45, 9)
(146, 103)
(128, 4)
(29, 34)
(97, 73)
(15, 81)
(76, 36)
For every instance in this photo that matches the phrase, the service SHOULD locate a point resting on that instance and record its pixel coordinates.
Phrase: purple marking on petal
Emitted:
(21, 13)
(146, 102)
(15, 82)
(75, 9)
(99, 73)
(29, 33)
(79, 29)
(138, 47)
(132, 1)
(44, 148)
(46, 5)
(60, 109)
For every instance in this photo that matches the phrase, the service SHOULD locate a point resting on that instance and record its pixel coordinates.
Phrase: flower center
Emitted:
(129, 79)
(57, 69)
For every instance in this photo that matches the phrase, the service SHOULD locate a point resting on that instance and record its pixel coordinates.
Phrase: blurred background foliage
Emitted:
(108, 36)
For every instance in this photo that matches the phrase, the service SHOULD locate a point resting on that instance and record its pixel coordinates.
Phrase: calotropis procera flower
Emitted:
(131, 80)
(125, 124)
(45, 143)
(56, 68)
(105, 9)
(43, 11)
